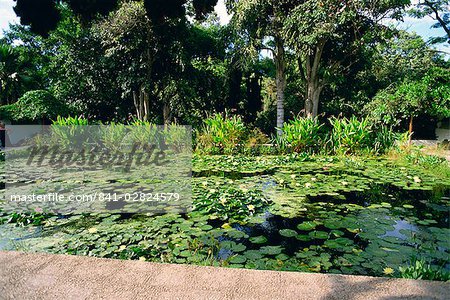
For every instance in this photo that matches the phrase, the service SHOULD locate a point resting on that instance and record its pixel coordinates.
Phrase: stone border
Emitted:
(46, 276)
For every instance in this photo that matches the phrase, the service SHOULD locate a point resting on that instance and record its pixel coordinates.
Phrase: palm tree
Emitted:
(15, 75)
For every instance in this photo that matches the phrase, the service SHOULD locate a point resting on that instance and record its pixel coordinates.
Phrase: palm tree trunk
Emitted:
(280, 64)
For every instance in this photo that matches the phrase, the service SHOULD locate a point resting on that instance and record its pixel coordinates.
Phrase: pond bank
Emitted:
(45, 276)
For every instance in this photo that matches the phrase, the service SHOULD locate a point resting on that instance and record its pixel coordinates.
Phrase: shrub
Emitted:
(385, 139)
(222, 134)
(256, 143)
(177, 137)
(301, 135)
(70, 131)
(420, 269)
(113, 136)
(144, 132)
(350, 136)
(39, 104)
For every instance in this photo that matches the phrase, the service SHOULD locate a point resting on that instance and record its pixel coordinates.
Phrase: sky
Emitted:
(420, 26)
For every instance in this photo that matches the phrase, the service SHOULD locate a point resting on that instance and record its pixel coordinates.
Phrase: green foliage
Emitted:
(420, 269)
(39, 104)
(350, 136)
(24, 219)
(7, 112)
(142, 132)
(18, 73)
(113, 135)
(70, 121)
(429, 96)
(229, 204)
(69, 132)
(222, 134)
(301, 135)
(176, 136)
(385, 139)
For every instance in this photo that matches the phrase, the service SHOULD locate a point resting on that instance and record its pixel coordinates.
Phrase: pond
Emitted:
(365, 216)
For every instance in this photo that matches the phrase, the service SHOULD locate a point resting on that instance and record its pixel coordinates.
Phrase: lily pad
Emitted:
(271, 250)
(306, 226)
(322, 235)
(288, 232)
(258, 239)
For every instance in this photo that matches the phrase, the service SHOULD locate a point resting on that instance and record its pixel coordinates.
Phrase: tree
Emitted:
(389, 60)
(438, 10)
(409, 99)
(325, 33)
(157, 50)
(128, 40)
(17, 74)
(37, 105)
(260, 27)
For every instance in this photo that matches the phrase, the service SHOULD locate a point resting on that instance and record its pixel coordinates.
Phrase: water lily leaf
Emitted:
(288, 232)
(306, 226)
(322, 235)
(303, 237)
(253, 254)
(258, 239)
(282, 257)
(238, 259)
(271, 250)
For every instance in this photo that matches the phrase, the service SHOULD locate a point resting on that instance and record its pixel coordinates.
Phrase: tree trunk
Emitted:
(280, 64)
(410, 128)
(142, 104)
(313, 82)
(166, 113)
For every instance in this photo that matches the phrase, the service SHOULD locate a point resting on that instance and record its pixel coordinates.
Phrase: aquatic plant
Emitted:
(222, 134)
(350, 136)
(420, 269)
(301, 135)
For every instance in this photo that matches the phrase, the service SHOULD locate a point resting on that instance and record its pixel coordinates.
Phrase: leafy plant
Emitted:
(178, 137)
(39, 104)
(144, 132)
(350, 136)
(113, 135)
(70, 121)
(301, 135)
(420, 269)
(70, 131)
(222, 134)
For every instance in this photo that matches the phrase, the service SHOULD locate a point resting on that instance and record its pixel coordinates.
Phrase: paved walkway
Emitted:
(44, 276)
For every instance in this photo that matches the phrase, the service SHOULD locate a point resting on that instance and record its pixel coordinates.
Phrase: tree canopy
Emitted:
(171, 61)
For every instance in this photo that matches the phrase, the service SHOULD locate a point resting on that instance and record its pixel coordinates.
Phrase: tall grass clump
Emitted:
(70, 132)
(143, 133)
(351, 136)
(221, 134)
(113, 135)
(301, 135)
(178, 137)
(70, 121)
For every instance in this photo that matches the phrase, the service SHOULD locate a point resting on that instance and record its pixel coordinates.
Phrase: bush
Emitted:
(257, 143)
(350, 136)
(70, 132)
(385, 139)
(222, 134)
(38, 104)
(301, 135)
(7, 112)
(420, 269)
